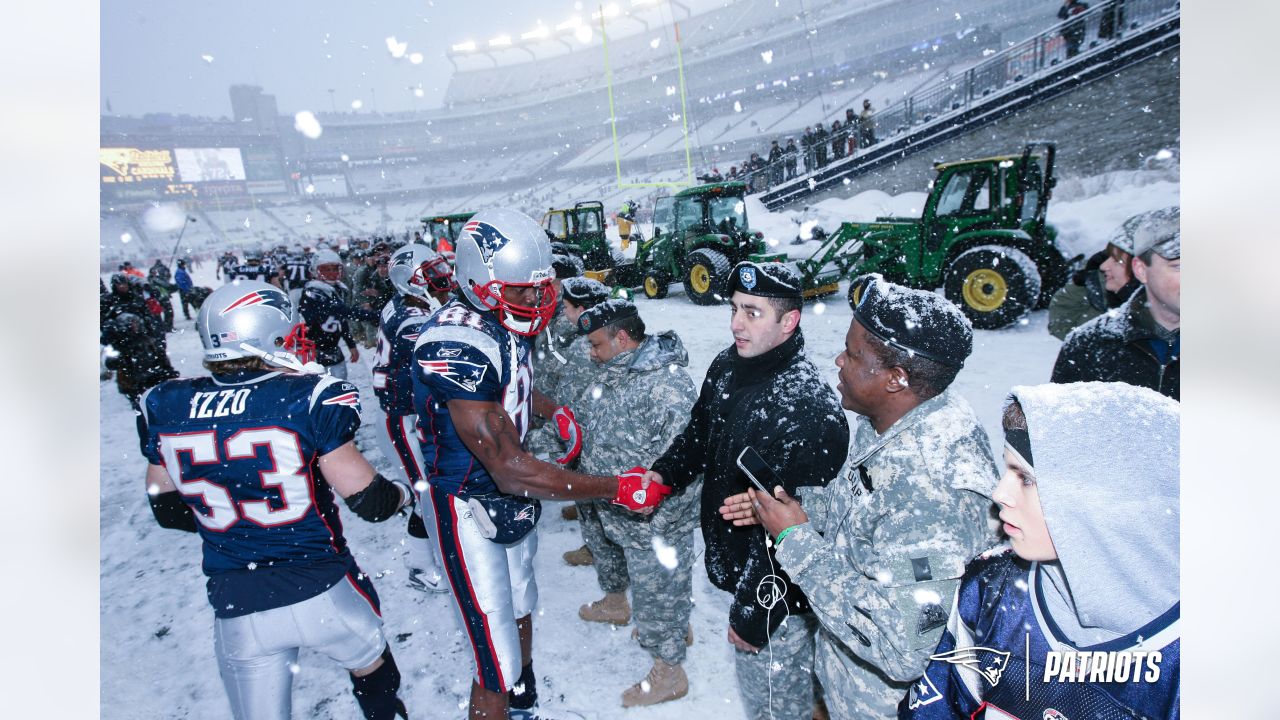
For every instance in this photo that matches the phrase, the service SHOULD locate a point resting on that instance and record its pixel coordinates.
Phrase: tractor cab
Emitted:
(699, 234)
(580, 231)
(441, 231)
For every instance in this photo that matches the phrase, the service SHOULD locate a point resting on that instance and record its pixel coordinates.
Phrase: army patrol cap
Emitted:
(771, 279)
(566, 266)
(1153, 230)
(1159, 231)
(606, 313)
(913, 321)
(584, 292)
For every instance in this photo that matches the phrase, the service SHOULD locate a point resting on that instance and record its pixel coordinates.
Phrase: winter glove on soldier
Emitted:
(633, 496)
(570, 432)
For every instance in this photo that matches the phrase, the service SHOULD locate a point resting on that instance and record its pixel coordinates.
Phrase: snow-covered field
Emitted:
(156, 642)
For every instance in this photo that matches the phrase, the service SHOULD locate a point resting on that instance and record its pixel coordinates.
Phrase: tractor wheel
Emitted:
(656, 283)
(993, 285)
(706, 276)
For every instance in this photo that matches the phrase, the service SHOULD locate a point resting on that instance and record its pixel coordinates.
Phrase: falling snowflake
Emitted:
(767, 56)
(207, 58)
(306, 123)
(396, 48)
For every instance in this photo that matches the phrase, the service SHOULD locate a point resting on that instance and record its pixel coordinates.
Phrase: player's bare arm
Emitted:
(489, 434)
(543, 406)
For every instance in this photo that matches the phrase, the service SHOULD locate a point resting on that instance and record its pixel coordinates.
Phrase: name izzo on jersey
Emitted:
(230, 402)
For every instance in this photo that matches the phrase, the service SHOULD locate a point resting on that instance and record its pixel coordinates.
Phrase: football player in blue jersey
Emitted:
(325, 309)
(1080, 618)
(422, 281)
(473, 395)
(251, 458)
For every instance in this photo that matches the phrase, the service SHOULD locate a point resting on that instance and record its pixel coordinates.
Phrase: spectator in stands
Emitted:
(733, 172)
(1138, 342)
(807, 144)
(1072, 32)
(775, 163)
(789, 153)
(851, 129)
(839, 139)
(866, 125)
(182, 279)
(820, 137)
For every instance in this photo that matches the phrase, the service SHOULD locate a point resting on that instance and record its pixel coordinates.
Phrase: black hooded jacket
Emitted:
(779, 404)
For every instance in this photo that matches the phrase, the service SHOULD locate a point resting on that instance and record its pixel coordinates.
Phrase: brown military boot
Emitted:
(569, 512)
(581, 556)
(688, 634)
(613, 608)
(663, 683)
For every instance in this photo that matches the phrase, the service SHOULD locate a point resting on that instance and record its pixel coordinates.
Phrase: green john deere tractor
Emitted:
(580, 231)
(982, 237)
(441, 231)
(699, 234)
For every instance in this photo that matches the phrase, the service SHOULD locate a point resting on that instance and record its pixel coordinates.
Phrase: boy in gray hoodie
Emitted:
(1079, 616)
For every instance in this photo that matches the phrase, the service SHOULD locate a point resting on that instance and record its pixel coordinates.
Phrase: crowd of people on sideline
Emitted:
(781, 163)
(877, 560)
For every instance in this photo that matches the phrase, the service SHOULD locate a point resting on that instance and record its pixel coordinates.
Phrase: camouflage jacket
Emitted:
(564, 376)
(551, 355)
(644, 400)
(883, 552)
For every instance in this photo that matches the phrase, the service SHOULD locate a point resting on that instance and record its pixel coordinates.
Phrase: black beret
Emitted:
(914, 321)
(771, 279)
(566, 266)
(584, 292)
(606, 313)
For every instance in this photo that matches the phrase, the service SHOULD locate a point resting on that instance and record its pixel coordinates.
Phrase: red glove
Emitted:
(634, 497)
(570, 432)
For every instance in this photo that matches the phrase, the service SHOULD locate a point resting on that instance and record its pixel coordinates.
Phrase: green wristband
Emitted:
(778, 540)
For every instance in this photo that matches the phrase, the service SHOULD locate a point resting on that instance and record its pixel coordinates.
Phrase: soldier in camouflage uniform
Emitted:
(645, 398)
(881, 555)
(563, 372)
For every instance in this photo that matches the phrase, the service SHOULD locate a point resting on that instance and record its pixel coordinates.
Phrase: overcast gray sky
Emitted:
(182, 56)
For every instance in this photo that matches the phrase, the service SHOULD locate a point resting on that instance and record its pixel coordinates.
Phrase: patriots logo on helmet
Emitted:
(349, 399)
(525, 514)
(277, 300)
(466, 375)
(488, 238)
(987, 662)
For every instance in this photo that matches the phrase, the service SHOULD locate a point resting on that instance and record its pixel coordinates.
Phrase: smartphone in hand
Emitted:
(758, 471)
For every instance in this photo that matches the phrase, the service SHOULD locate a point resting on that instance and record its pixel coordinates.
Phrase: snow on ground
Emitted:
(154, 613)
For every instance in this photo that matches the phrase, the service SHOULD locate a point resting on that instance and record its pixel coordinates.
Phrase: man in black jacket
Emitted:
(1138, 342)
(763, 393)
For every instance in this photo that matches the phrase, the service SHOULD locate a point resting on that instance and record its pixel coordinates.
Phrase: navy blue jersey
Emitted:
(397, 335)
(297, 270)
(228, 263)
(326, 314)
(1002, 656)
(248, 271)
(462, 354)
(242, 451)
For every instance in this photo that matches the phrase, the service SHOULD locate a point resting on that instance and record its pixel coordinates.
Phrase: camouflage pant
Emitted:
(610, 564)
(662, 598)
(777, 682)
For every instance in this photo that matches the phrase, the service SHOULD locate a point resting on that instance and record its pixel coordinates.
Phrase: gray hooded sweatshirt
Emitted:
(1105, 457)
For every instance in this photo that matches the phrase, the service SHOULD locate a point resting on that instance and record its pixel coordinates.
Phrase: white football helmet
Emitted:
(502, 249)
(250, 318)
(417, 271)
